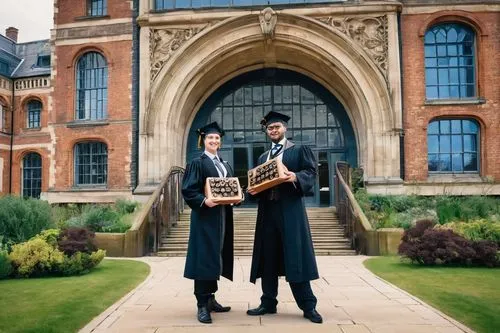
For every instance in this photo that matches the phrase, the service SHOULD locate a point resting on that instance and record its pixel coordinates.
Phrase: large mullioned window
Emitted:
(34, 111)
(183, 4)
(96, 7)
(32, 175)
(91, 87)
(453, 146)
(91, 163)
(450, 70)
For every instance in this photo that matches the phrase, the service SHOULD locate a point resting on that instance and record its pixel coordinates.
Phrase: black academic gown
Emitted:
(203, 261)
(299, 260)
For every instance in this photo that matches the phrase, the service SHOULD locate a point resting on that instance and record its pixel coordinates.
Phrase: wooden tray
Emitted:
(225, 185)
(271, 172)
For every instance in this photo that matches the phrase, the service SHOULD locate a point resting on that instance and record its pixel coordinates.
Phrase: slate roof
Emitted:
(22, 58)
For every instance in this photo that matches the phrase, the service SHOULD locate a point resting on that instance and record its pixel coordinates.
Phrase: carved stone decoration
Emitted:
(371, 33)
(268, 19)
(164, 42)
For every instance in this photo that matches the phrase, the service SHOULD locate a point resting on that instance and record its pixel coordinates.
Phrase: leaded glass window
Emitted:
(34, 111)
(312, 123)
(453, 146)
(96, 7)
(182, 4)
(91, 163)
(450, 69)
(32, 175)
(91, 87)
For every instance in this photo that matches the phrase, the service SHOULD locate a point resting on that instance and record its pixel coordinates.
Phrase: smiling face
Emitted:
(212, 142)
(276, 131)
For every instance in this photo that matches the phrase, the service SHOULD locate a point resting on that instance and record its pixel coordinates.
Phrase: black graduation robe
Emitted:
(299, 259)
(203, 261)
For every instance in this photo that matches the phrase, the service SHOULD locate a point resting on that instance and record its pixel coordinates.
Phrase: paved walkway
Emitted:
(350, 298)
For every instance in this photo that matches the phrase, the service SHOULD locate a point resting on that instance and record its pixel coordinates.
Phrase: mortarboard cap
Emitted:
(273, 117)
(209, 129)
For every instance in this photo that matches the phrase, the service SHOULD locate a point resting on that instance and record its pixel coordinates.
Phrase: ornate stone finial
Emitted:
(268, 19)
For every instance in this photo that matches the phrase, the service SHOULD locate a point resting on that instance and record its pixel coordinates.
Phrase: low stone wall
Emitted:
(389, 240)
(113, 243)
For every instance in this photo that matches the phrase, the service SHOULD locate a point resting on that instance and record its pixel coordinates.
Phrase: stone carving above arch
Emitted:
(371, 33)
(164, 42)
(268, 20)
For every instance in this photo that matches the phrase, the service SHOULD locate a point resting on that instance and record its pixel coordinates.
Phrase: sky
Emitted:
(33, 18)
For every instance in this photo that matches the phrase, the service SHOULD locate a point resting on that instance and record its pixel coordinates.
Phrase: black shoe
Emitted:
(260, 310)
(313, 316)
(213, 305)
(204, 315)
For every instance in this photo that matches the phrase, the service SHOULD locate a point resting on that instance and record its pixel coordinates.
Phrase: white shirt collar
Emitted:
(282, 142)
(212, 156)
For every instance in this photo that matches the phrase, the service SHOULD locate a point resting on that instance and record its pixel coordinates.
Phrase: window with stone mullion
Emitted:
(96, 7)
(34, 111)
(91, 162)
(91, 86)
(32, 175)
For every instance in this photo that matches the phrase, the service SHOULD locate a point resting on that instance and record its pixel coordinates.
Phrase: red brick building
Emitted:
(106, 119)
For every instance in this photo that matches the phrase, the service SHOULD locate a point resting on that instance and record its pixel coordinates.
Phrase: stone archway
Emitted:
(187, 65)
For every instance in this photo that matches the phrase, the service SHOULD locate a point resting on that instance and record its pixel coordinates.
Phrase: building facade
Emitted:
(406, 90)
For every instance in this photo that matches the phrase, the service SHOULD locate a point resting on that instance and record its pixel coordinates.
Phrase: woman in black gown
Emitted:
(211, 236)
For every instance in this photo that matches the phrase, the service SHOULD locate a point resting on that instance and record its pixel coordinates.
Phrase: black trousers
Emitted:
(203, 290)
(272, 261)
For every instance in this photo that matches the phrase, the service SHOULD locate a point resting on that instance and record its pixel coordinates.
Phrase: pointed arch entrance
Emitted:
(318, 120)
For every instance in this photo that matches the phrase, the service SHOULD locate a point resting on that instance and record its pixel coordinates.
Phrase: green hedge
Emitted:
(21, 219)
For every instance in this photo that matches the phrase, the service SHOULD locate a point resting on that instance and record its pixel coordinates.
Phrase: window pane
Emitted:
(444, 144)
(456, 143)
(456, 162)
(433, 143)
(433, 162)
(444, 162)
(470, 162)
(444, 126)
(433, 128)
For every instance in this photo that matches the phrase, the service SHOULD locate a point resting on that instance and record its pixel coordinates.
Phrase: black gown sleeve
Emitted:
(306, 177)
(193, 185)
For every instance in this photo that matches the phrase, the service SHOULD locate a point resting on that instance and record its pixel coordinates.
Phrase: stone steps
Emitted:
(327, 234)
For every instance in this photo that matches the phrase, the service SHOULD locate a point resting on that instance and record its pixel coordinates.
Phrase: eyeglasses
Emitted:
(272, 128)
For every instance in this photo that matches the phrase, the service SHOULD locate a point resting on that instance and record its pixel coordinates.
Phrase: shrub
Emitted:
(81, 263)
(21, 219)
(476, 230)
(125, 206)
(62, 213)
(425, 245)
(72, 240)
(51, 236)
(35, 257)
(95, 218)
(5, 264)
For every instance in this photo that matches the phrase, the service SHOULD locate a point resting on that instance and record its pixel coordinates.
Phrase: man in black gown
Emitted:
(283, 244)
(210, 247)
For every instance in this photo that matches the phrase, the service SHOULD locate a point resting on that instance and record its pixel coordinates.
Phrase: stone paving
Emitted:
(350, 298)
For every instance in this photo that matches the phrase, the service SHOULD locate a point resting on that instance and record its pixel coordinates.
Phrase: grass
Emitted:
(66, 304)
(470, 295)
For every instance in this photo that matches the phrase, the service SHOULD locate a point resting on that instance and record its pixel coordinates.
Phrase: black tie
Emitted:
(218, 166)
(276, 150)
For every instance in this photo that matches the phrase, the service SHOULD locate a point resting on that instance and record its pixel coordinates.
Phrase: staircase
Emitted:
(327, 234)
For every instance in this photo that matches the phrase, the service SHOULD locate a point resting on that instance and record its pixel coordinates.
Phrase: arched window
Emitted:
(91, 87)
(96, 7)
(3, 117)
(450, 69)
(32, 175)
(453, 146)
(91, 163)
(34, 111)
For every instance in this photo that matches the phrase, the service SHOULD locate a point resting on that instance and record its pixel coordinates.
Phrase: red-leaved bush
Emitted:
(428, 246)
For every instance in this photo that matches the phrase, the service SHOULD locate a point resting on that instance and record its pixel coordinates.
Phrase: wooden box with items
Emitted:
(223, 191)
(266, 175)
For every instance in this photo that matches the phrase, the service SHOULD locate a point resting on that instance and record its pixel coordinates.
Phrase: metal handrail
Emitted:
(163, 207)
(350, 214)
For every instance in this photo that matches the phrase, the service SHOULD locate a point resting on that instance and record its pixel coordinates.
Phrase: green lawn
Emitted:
(66, 304)
(470, 295)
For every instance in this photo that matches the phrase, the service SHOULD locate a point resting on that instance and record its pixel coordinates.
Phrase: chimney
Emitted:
(11, 32)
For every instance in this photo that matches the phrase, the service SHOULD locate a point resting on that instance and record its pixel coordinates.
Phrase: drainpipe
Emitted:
(134, 168)
(402, 134)
(11, 138)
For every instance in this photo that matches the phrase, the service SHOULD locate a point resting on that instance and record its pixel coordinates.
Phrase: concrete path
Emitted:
(350, 298)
